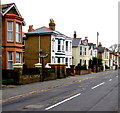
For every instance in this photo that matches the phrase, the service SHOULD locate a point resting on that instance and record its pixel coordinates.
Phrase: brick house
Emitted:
(12, 23)
(48, 42)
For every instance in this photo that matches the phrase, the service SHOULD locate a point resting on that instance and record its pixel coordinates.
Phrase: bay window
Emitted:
(17, 57)
(17, 32)
(59, 45)
(10, 60)
(10, 31)
(66, 45)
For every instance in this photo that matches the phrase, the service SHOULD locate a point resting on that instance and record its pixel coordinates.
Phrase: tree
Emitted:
(94, 62)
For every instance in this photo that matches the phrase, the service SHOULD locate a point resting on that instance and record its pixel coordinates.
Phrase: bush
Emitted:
(106, 67)
(8, 81)
(79, 67)
(84, 67)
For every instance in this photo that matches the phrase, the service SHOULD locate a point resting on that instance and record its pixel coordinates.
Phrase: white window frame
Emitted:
(80, 50)
(67, 46)
(18, 61)
(59, 45)
(18, 32)
(10, 60)
(85, 49)
(9, 31)
(70, 46)
(63, 46)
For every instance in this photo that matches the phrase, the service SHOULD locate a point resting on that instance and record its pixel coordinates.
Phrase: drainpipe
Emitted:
(39, 49)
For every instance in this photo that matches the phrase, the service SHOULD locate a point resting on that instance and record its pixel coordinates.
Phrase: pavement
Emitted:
(18, 91)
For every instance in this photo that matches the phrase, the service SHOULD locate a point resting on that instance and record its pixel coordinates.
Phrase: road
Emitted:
(95, 94)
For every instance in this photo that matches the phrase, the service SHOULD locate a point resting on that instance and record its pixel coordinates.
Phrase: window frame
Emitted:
(67, 46)
(80, 50)
(85, 51)
(9, 31)
(18, 32)
(10, 60)
(59, 45)
(18, 61)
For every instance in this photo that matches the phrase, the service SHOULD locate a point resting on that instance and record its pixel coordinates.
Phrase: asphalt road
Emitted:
(96, 94)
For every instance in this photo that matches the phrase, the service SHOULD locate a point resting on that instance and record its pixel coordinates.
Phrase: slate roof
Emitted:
(8, 7)
(76, 42)
(91, 44)
(40, 30)
(101, 50)
(45, 30)
(5, 7)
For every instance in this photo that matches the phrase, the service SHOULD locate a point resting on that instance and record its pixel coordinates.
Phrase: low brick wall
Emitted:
(82, 72)
(26, 79)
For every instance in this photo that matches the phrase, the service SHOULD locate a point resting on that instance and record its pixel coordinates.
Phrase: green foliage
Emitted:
(8, 81)
(95, 62)
(106, 67)
(79, 67)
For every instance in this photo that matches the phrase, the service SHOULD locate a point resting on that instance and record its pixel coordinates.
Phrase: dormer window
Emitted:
(10, 31)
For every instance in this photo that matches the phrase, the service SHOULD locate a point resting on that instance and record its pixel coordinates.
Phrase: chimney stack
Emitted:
(75, 35)
(30, 28)
(99, 45)
(86, 38)
(52, 24)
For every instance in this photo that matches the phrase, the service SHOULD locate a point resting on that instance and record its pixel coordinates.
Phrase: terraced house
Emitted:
(80, 51)
(12, 23)
(104, 54)
(48, 42)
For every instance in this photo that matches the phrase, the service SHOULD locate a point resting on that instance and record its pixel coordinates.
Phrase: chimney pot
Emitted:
(75, 35)
(30, 28)
(52, 24)
(100, 45)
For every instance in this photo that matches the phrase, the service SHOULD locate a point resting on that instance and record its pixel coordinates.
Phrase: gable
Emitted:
(12, 11)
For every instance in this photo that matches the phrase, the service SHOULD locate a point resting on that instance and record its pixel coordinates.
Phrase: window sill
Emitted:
(10, 41)
(19, 42)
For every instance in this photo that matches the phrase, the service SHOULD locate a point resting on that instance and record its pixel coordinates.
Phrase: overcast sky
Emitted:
(86, 17)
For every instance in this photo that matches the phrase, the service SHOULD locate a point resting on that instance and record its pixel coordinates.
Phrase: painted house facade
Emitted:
(104, 54)
(12, 23)
(47, 42)
(92, 50)
(80, 51)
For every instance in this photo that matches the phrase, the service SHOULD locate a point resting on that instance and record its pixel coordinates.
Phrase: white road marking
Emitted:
(110, 80)
(98, 85)
(116, 76)
(63, 101)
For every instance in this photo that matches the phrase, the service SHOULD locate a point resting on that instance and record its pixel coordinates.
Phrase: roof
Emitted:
(40, 30)
(76, 42)
(101, 50)
(91, 45)
(7, 7)
(45, 30)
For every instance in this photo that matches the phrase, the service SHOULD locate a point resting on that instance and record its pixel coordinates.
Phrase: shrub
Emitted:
(106, 67)
(8, 81)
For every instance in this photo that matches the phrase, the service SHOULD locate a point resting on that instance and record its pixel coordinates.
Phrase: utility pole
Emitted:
(97, 53)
